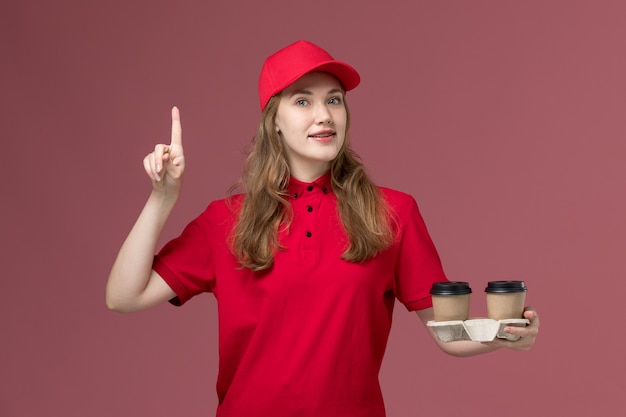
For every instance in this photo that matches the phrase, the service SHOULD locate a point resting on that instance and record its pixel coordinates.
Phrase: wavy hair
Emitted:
(265, 209)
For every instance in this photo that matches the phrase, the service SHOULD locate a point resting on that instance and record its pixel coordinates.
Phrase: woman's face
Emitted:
(311, 119)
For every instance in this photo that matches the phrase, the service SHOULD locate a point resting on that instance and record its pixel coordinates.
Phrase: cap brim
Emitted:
(347, 75)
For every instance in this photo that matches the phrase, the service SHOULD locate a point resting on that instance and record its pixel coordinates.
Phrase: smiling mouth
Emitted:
(323, 135)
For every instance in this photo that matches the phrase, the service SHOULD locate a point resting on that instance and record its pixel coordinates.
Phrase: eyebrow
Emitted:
(309, 93)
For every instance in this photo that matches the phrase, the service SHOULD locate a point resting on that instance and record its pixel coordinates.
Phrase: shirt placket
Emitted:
(310, 209)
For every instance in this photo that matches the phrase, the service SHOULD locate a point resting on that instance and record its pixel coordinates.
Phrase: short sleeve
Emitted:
(186, 263)
(418, 264)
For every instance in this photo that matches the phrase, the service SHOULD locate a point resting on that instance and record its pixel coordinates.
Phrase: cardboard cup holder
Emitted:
(477, 330)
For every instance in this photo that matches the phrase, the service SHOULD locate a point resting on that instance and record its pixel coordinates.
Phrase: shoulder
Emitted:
(394, 195)
(403, 207)
(224, 210)
(397, 200)
(228, 204)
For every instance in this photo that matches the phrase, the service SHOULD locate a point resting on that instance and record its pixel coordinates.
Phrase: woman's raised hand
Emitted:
(132, 284)
(166, 164)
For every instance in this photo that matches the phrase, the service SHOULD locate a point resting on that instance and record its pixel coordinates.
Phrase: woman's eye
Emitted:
(334, 100)
(301, 102)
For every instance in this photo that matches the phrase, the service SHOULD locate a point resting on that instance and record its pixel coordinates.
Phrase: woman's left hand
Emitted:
(527, 334)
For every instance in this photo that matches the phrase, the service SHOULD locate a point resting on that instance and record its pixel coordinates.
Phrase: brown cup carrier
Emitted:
(477, 330)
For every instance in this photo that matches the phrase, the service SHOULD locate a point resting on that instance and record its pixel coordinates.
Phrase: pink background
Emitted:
(505, 119)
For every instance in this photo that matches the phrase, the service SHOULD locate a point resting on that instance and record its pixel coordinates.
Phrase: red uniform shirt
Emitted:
(307, 337)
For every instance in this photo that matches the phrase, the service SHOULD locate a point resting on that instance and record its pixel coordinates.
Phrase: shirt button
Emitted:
(295, 195)
(309, 209)
(324, 190)
(309, 234)
(310, 188)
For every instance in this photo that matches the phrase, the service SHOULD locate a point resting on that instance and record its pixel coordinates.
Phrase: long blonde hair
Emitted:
(362, 209)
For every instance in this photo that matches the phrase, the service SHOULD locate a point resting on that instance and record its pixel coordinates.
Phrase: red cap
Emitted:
(293, 61)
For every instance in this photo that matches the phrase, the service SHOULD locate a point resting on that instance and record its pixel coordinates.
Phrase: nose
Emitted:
(323, 115)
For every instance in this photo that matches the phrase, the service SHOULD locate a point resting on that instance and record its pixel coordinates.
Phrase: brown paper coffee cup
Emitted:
(505, 299)
(451, 300)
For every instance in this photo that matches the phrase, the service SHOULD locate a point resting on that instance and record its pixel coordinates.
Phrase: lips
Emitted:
(324, 135)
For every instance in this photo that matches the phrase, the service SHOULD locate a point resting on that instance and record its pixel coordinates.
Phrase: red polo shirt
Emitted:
(307, 337)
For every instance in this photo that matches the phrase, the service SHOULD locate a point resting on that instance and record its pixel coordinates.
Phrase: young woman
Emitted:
(305, 264)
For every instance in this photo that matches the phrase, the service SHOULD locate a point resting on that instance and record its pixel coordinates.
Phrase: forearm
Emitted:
(129, 279)
(462, 348)
(465, 348)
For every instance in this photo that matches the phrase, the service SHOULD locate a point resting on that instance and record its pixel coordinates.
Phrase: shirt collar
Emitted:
(297, 188)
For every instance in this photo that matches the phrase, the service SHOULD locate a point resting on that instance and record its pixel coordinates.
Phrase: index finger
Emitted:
(177, 130)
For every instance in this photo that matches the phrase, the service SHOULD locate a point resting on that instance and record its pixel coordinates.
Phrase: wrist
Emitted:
(164, 199)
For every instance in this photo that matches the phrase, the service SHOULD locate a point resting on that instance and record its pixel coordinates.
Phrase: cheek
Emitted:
(341, 118)
(288, 123)
(341, 127)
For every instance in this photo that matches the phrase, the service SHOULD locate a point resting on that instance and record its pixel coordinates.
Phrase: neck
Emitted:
(310, 173)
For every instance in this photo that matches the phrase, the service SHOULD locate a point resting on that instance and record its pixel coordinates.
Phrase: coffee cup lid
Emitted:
(505, 286)
(450, 288)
